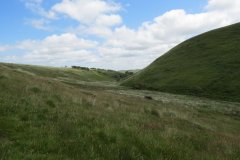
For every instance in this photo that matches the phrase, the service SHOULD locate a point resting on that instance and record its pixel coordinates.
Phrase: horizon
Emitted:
(104, 34)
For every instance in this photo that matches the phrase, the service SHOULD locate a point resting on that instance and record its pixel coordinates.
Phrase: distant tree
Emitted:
(128, 73)
(78, 67)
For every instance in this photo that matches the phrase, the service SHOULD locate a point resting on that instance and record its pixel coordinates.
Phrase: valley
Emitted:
(53, 113)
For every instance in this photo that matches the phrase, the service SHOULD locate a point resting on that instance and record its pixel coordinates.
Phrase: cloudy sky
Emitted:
(114, 34)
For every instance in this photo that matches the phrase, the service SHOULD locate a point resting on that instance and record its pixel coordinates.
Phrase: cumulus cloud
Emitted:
(95, 17)
(123, 47)
(56, 50)
(89, 11)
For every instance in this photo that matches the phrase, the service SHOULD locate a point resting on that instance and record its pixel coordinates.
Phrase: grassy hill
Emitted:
(77, 74)
(207, 65)
(43, 117)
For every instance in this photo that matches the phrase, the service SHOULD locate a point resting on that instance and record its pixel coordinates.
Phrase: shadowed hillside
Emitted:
(207, 65)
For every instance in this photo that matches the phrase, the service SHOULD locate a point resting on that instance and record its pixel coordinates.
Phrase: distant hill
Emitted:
(74, 73)
(207, 65)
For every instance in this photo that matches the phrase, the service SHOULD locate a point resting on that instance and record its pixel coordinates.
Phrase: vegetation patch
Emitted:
(51, 103)
(35, 89)
(155, 113)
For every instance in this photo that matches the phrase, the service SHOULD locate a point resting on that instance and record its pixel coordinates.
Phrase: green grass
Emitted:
(43, 116)
(206, 65)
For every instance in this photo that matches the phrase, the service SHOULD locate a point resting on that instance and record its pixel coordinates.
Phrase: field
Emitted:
(60, 113)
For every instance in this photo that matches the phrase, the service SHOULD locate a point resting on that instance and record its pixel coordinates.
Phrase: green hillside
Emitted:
(207, 65)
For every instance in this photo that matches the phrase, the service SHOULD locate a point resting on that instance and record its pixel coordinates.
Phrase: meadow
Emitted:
(68, 114)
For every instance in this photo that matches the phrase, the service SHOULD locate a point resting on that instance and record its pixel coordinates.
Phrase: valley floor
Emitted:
(50, 113)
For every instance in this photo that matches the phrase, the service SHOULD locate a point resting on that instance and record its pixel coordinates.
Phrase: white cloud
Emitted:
(59, 42)
(100, 31)
(56, 50)
(88, 11)
(223, 5)
(95, 17)
(108, 20)
(41, 24)
(102, 27)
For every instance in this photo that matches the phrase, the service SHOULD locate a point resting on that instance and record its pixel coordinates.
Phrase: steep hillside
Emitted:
(207, 65)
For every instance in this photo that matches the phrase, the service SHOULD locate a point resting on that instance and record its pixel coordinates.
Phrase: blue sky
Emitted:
(116, 34)
(14, 16)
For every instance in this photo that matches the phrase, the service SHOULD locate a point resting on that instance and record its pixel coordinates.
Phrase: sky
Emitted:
(111, 34)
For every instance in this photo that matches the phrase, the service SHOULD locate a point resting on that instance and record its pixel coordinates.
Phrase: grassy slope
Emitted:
(43, 118)
(65, 73)
(207, 65)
